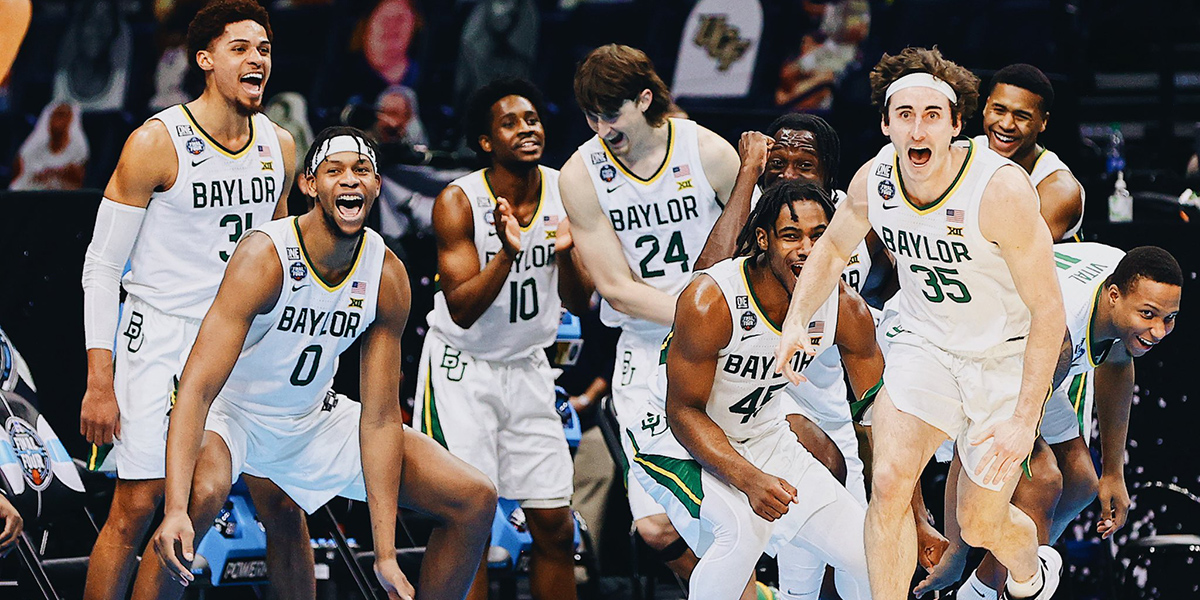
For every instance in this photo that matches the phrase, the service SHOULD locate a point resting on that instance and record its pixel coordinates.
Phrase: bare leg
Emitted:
(1079, 484)
(659, 534)
(479, 585)
(818, 443)
(114, 557)
(289, 549)
(435, 482)
(1037, 498)
(553, 556)
(210, 489)
(989, 520)
(903, 444)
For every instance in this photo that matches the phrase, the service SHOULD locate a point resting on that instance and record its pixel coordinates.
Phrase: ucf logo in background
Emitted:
(721, 40)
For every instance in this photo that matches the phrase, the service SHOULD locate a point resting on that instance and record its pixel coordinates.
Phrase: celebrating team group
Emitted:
(942, 286)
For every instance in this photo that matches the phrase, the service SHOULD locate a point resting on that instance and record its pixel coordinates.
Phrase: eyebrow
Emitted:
(246, 41)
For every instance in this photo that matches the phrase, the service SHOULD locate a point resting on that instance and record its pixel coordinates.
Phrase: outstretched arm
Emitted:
(1114, 395)
(381, 425)
(702, 328)
(722, 240)
(601, 251)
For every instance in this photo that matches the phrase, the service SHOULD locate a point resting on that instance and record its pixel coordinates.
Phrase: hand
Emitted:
(769, 495)
(562, 239)
(173, 541)
(931, 545)
(1114, 505)
(12, 525)
(792, 340)
(1012, 442)
(99, 416)
(945, 572)
(508, 229)
(753, 148)
(393, 580)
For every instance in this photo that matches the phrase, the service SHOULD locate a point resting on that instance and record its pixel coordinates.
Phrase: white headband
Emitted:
(341, 143)
(920, 80)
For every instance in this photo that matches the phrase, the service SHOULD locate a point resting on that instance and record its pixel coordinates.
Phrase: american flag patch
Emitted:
(816, 328)
(550, 220)
(954, 215)
(264, 151)
(681, 171)
(358, 288)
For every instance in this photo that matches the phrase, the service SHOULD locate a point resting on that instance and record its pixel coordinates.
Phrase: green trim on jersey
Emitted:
(541, 196)
(235, 154)
(431, 425)
(1065, 261)
(661, 168)
(762, 314)
(680, 476)
(1094, 356)
(666, 345)
(329, 287)
(958, 179)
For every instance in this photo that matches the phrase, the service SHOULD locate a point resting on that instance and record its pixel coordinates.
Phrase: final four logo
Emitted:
(887, 189)
(31, 452)
(195, 146)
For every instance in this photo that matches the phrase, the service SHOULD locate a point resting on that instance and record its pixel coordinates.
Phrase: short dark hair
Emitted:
(829, 146)
(1145, 262)
(330, 132)
(614, 73)
(478, 119)
(779, 195)
(210, 22)
(1026, 77)
(925, 60)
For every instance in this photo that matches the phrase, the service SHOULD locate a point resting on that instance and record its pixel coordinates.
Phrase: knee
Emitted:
(657, 531)
(282, 518)
(554, 528)
(978, 530)
(891, 486)
(1080, 483)
(479, 499)
(209, 493)
(130, 513)
(1046, 477)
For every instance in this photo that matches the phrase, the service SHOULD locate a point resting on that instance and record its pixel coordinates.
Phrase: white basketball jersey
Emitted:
(662, 221)
(1082, 269)
(744, 399)
(955, 289)
(287, 363)
(524, 317)
(1046, 164)
(190, 230)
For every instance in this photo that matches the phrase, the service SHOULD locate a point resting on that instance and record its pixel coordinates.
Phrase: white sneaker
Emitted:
(1051, 565)
(974, 589)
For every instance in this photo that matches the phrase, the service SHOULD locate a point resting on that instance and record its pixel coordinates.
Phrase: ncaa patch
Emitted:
(883, 170)
(31, 452)
(887, 189)
(299, 271)
(599, 158)
(293, 253)
(195, 146)
(608, 173)
(742, 302)
(183, 131)
(749, 320)
(483, 202)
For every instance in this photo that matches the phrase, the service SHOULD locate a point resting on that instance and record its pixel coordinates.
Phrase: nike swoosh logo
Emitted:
(890, 207)
(196, 163)
(296, 288)
(751, 335)
(612, 189)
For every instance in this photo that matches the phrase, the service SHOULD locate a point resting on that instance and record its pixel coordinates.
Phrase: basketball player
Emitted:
(255, 395)
(1016, 112)
(189, 183)
(980, 314)
(642, 195)
(730, 481)
(1119, 306)
(504, 260)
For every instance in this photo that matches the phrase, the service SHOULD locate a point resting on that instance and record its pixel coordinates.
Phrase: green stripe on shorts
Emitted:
(430, 424)
(681, 476)
(1077, 393)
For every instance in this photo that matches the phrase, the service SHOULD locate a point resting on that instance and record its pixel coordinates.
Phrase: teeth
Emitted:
(1004, 138)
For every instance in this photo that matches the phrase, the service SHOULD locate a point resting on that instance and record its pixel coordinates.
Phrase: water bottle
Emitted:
(1120, 203)
(1115, 158)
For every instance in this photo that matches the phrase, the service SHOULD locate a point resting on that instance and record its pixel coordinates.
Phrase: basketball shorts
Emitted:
(1069, 411)
(681, 486)
(634, 385)
(816, 404)
(499, 417)
(311, 457)
(962, 395)
(151, 350)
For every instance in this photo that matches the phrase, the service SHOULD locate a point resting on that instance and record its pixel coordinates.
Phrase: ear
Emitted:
(957, 119)
(485, 143)
(883, 124)
(204, 60)
(1113, 293)
(644, 99)
(760, 236)
(308, 184)
(1045, 121)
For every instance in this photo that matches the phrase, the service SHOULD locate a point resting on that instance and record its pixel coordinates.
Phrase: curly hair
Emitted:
(764, 215)
(614, 73)
(210, 22)
(829, 146)
(478, 118)
(924, 60)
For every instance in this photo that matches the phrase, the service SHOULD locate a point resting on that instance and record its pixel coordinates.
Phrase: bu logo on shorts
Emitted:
(134, 332)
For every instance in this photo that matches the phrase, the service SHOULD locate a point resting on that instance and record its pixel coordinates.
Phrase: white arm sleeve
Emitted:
(116, 231)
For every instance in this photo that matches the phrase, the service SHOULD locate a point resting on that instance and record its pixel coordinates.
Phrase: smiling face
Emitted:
(792, 240)
(621, 129)
(237, 64)
(517, 135)
(794, 156)
(345, 185)
(921, 125)
(1012, 120)
(1145, 314)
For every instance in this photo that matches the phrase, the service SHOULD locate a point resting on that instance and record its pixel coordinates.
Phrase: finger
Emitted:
(984, 436)
(10, 532)
(924, 587)
(993, 470)
(983, 464)
(173, 565)
(185, 540)
(117, 428)
(792, 492)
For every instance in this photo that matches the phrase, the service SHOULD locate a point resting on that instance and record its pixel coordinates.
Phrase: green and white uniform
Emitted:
(487, 392)
(956, 360)
(278, 413)
(1082, 269)
(662, 223)
(188, 234)
(1046, 164)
